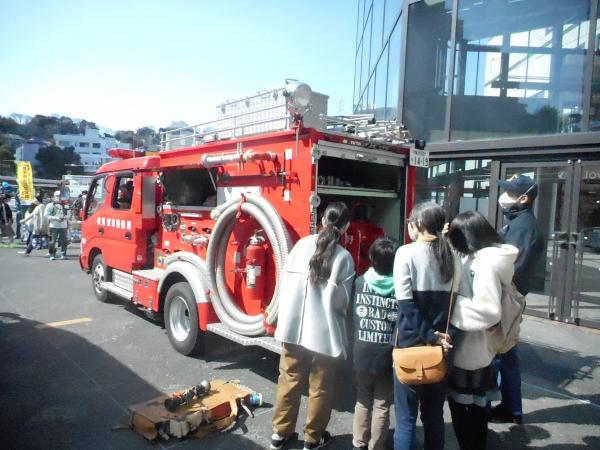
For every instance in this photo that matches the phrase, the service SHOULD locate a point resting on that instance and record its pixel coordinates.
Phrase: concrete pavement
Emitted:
(68, 386)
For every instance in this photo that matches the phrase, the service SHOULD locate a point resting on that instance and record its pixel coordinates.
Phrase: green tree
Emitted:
(55, 162)
(7, 163)
(147, 137)
(9, 126)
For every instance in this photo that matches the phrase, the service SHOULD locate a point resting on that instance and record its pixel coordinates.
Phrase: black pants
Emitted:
(470, 425)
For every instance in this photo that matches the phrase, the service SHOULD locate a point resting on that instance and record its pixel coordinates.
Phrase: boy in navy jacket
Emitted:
(374, 317)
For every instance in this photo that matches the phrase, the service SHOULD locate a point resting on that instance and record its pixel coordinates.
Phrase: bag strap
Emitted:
(453, 289)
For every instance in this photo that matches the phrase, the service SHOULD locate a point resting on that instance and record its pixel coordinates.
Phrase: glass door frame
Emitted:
(562, 277)
(572, 306)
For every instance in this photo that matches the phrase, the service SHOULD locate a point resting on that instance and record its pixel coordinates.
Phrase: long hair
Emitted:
(430, 217)
(470, 231)
(335, 217)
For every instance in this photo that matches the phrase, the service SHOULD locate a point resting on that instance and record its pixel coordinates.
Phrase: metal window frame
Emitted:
(588, 68)
(589, 65)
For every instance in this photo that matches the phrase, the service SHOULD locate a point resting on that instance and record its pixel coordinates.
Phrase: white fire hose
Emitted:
(223, 303)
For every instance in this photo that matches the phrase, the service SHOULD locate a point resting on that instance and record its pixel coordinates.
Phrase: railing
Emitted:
(362, 126)
(214, 130)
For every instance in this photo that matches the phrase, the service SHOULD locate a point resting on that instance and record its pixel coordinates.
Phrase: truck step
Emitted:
(267, 342)
(114, 289)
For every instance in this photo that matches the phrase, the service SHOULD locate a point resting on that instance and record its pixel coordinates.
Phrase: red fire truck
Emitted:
(197, 234)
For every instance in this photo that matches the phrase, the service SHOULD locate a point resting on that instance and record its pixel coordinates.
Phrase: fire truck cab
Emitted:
(198, 234)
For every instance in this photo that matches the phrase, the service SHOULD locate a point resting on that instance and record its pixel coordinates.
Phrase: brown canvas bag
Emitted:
(423, 364)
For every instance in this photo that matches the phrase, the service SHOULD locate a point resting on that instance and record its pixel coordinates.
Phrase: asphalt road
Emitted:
(68, 386)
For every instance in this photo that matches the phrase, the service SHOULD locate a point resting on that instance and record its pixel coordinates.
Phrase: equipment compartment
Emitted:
(373, 191)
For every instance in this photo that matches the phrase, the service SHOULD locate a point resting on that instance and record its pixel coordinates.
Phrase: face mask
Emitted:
(510, 204)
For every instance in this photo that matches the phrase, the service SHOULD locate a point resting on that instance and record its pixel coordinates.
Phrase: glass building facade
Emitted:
(479, 69)
(499, 88)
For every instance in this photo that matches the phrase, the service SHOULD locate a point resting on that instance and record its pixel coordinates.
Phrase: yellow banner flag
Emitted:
(25, 180)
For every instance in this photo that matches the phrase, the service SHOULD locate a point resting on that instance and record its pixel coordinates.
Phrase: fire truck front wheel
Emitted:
(181, 319)
(99, 275)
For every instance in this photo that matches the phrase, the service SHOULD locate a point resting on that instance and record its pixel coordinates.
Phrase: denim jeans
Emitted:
(510, 382)
(406, 405)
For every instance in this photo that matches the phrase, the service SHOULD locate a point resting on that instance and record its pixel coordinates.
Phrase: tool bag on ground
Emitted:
(216, 410)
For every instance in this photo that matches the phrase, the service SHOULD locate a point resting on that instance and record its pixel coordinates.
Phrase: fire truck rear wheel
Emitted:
(181, 320)
(100, 274)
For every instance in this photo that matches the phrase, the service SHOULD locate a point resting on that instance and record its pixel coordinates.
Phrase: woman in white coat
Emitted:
(317, 279)
(486, 265)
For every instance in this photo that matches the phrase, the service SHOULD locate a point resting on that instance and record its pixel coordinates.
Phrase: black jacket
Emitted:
(524, 232)
(5, 212)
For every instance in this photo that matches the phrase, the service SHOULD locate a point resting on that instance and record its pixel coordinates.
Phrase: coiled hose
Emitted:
(225, 216)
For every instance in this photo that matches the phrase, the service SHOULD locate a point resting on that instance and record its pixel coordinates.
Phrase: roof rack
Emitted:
(367, 127)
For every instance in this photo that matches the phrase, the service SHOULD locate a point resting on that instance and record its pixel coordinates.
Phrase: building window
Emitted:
(392, 12)
(63, 144)
(519, 68)
(595, 100)
(84, 145)
(426, 69)
(95, 145)
(457, 185)
(393, 70)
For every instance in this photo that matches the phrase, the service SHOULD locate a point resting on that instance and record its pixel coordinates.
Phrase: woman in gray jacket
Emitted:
(318, 278)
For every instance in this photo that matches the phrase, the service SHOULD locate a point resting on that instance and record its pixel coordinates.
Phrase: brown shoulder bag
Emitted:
(424, 364)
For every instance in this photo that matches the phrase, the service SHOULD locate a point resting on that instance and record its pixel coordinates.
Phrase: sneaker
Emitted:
(324, 441)
(52, 258)
(22, 252)
(63, 257)
(278, 442)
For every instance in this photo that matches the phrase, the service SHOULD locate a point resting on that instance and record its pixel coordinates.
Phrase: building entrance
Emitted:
(568, 208)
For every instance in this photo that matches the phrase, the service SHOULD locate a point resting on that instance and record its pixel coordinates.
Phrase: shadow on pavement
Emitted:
(566, 367)
(61, 391)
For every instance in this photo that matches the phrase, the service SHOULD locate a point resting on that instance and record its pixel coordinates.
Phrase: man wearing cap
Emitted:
(57, 226)
(524, 232)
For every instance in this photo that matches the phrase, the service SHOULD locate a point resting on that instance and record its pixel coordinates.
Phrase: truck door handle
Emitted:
(128, 235)
(100, 230)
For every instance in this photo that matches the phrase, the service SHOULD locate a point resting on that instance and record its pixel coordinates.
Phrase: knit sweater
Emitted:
(313, 315)
(478, 303)
(423, 297)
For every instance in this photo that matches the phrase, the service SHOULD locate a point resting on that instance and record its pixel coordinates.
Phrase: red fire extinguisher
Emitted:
(255, 268)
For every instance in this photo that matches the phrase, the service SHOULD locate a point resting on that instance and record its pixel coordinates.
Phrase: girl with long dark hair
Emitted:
(423, 274)
(317, 279)
(485, 266)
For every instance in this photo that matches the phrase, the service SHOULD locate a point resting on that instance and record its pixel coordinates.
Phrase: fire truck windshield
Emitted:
(189, 187)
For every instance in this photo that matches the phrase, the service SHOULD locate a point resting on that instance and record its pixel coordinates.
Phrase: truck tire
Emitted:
(181, 320)
(99, 274)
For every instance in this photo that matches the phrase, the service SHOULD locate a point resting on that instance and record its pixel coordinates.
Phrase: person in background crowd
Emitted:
(374, 302)
(57, 225)
(423, 274)
(485, 266)
(19, 216)
(6, 220)
(39, 227)
(524, 232)
(27, 223)
(317, 278)
(78, 205)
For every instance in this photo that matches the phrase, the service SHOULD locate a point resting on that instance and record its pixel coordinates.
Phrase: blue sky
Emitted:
(128, 64)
